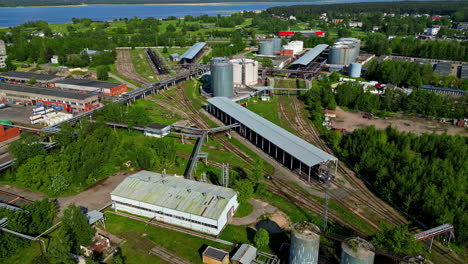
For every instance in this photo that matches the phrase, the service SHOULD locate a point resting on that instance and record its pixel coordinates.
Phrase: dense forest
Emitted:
(425, 175)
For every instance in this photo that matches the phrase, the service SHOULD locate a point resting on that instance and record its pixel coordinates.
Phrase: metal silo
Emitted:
(357, 251)
(221, 77)
(245, 72)
(276, 45)
(266, 48)
(355, 70)
(355, 42)
(305, 240)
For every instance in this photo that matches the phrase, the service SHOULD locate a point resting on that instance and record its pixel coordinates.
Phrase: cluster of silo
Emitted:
(305, 241)
(357, 251)
(345, 51)
(270, 47)
(221, 77)
(245, 72)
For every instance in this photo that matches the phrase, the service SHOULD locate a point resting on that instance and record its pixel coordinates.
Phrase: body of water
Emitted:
(16, 16)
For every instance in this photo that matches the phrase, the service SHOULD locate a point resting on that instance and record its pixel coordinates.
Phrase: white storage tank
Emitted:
(245, 72)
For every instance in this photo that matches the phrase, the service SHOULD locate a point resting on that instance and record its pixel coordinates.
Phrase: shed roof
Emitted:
(94, 216)
(193, 51)
(443, 68)
(179, 194)
(88, 83)
(245, 254)
(30, 75)
(215, 253)
(44, 92)
(311, 55)
(307, 153)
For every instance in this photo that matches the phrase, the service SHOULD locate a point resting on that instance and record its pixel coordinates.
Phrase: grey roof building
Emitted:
(193, 53)
(15, 76)
(307, 58)
(246, 254)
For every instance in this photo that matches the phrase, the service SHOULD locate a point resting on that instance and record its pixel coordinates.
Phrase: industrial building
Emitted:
(193, 54)
(293, 152)
(245, 72)
(157, 130)
(308, 59)
(246, 254)
(307, 33)
(305, 241)
(344, 52)
(433, 30)
(213, 255)
(443, 68)
(357, 251)
(106, 88)
(464, 72)
(194, 205)
(24, 77)
(293, 48)
(222, 81)
(3, 54)
(56, 99)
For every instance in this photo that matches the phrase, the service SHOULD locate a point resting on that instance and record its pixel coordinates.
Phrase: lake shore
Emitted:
(180, 4)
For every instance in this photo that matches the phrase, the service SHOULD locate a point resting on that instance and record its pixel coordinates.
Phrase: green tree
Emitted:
(261, 239)
(75, 229)
(32, 81)
(24, 148)
(102, 73)
(118, 257)
(245, 190)
(397, 240)
(267, 63)
(165, 50)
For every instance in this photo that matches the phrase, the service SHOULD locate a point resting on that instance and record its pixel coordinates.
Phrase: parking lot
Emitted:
(16, 113)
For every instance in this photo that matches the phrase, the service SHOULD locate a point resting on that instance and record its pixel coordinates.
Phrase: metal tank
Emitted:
(245, 72)
(305, 241)
(353, 41)
(221, 77)
(277, 45)
(357, 251)
(341, 54)
(355, 70)
(266, 48)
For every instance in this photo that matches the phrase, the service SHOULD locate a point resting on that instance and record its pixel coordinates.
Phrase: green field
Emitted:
(142, 66)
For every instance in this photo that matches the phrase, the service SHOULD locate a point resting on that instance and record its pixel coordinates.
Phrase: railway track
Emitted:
(124, 66)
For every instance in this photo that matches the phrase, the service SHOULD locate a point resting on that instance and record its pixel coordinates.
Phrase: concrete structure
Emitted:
(355, 70)
(276, 45)
(213, 255)
(433, 30)
(305, 240)
(266, 48)
(222, 82)
(3, 54)
(296, 46)
(280, 62)
(357, 251)
(106, 88)
(193, 54)
(245, 72)
(157, 130)
(293, 152)
(194, 205)
(24, 77)
(246, 254)
(56, 99)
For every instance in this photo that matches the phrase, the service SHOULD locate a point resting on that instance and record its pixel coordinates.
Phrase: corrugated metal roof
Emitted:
(88, 83)
(193, 51)
(311, 55)
(245, 254)
(215, 253)
(297, 147)
(464, 72)
(44, 92)
(443, 68)
(30, 75)
(179, 194)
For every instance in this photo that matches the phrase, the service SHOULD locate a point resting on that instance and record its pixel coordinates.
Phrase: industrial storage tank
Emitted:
(355, 70)
(266, 48)
(276, 45)
(357, 251)
(221, 77)
(342, 54)
(355, 42)
(245, 72)
(305, 241)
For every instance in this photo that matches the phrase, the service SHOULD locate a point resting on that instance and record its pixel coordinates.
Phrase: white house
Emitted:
(194, 205)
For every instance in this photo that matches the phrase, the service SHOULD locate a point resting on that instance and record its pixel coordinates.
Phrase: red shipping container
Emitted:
(286, 33)
(461, 123)
(2, 131)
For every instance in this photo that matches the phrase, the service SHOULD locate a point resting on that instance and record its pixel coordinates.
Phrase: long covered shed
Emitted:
(311, 55)
(291, 151)
(192, 54)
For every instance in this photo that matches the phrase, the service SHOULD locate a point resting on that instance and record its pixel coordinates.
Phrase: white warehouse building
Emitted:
(194, 205)
(296, 46)
(245, 72)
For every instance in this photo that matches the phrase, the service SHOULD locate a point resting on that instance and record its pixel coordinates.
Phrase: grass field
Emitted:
(141, 65)
(244, 209)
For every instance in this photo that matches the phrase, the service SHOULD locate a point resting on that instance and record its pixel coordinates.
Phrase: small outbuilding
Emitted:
(246, 254)
(157, 130)
(174, 57)
(213, 255)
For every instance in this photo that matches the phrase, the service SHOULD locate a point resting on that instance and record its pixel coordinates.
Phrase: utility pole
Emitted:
(326, 177)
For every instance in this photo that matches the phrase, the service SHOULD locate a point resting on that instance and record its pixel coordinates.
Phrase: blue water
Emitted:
(16, 16)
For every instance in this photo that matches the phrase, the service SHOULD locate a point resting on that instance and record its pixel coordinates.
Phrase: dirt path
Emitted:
(125, 67)
(259, 208)
(351, 121)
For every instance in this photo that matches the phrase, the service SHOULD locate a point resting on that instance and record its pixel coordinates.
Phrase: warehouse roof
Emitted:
(311, 55)
(464, 72)
(443, 68)
(44, 92)
(179, 194)
(193, 51)
(215, 253)
(29, 75)
(88, 83)
(297, 147)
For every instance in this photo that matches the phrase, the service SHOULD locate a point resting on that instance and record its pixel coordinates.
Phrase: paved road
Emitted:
(259, 208)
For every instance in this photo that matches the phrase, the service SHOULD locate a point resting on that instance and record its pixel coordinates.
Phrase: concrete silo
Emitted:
(221, 77)
(357, 251)
(305, 241)
(276, 45)
(266, 48)
(355, 70)
(245, 72)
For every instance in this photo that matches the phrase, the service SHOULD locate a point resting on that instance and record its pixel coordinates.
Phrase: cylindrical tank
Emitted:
(355, 42)
(357, 251)
(221, 77)
(276, 45)
(355, 70)
(341, 54)
(266, 48)
(245, 72)
(305, 240)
